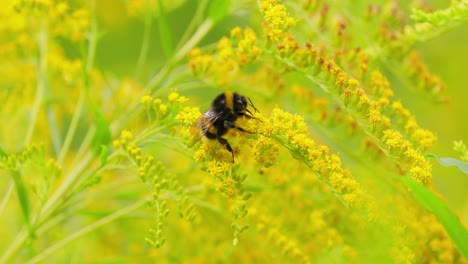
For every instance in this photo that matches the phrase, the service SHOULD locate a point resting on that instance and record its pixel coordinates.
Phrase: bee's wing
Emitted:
(203, 124)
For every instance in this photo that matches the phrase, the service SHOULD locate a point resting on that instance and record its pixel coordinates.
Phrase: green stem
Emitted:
(15, 246)
(41, 82)
(152, 85)
(84, 144)
(68, 182)
(145, 44)
(54, 130)
(92, 44)
(204, 28)
(6, 197)
(101, 222)
(41, 87)
(201, 7)
(72, 128)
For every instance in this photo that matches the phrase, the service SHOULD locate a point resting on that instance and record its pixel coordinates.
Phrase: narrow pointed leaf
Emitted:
(23, 196)
(447, 218)
(218, 9)
(102, 136)
(165, 32)
(451, 162)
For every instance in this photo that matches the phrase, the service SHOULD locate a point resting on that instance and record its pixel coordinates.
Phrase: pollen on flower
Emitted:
(188, 115)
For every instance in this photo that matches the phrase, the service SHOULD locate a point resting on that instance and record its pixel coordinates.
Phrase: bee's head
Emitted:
(239, 103)
(232, 102)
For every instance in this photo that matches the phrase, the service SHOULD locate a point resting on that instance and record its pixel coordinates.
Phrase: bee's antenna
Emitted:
(253, 106)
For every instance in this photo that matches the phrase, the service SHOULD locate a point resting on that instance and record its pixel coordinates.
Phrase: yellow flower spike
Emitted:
(327, 166)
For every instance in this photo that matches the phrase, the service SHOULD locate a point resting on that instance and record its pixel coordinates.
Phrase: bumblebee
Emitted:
(225, 109)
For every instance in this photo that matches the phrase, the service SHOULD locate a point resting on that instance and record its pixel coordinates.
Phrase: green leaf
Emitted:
(218, 9)
(447, 218)
(104, 154)
(22, 195)
(450, 162)
(2, 153)
(102, 136)
(165, 30)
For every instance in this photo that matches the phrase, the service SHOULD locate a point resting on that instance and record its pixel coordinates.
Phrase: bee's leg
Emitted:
(228, 146)
(228, 124)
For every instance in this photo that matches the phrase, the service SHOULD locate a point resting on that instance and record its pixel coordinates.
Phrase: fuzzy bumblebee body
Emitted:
(225, 109)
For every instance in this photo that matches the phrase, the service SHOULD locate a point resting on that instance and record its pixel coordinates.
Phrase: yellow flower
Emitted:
(125, 137)
(218, 169)
(146, 100)
(392, 138)
(162, 109)
(236, 32)
(265, 152)
(173, 96)
(225, 49)
(277, 18)
(188, 115)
